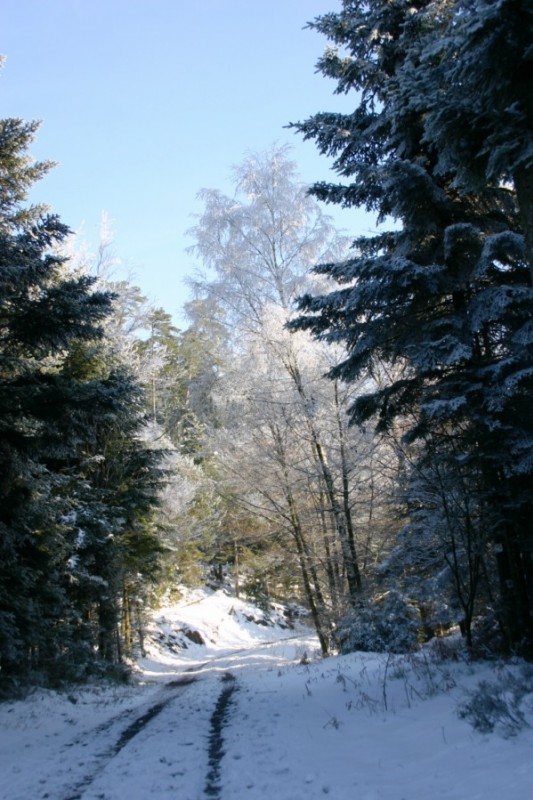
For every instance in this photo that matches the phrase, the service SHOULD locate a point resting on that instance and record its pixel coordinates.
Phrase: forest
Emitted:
(345, 424)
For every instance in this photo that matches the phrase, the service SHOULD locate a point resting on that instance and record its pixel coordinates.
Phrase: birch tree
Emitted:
(258, 248)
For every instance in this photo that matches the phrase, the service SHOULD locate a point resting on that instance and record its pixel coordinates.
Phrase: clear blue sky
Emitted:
(145, 102)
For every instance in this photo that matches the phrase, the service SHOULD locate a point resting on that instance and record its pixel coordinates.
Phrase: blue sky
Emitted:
(145, 102)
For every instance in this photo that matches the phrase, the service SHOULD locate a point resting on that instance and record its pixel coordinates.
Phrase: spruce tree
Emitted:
(444, 297)
(115, 478)
(78, 482)
(473, 86)
(43, 312)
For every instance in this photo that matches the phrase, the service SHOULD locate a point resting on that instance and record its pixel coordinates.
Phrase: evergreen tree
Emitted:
(473, 87)
(116, 478)
(44, 312)
(78, 484)
(445, 297)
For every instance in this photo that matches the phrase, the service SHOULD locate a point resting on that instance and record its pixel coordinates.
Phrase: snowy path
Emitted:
(240, 717)
(181, 752)
(68, 756)
(170, 745)
(168, 756)
(163, 738)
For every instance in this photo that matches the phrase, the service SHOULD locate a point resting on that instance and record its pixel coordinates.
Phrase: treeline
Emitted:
(104, 502)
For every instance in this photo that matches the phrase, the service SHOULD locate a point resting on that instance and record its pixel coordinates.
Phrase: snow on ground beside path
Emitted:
(226, 624)
(322, 731)
(356, 727)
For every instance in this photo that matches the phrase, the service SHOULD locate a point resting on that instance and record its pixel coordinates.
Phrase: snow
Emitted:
(256, 713)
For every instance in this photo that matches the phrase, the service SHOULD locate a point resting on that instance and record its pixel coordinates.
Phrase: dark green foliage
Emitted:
(41, 315)
(473, 86)
(77, 485)
(443, 299)
(116, 482)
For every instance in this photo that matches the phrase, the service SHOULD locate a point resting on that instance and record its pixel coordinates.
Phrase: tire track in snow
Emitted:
(216, 739)
(122, 728)
(76, 791)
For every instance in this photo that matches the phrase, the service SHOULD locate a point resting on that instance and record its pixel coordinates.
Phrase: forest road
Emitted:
(104, 743)
(203, 718)
(174, 740)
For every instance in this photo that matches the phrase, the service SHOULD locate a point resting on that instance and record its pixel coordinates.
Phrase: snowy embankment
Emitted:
(252, 712)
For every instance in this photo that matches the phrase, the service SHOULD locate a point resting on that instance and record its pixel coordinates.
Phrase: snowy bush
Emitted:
(385, 623)
(501, 705)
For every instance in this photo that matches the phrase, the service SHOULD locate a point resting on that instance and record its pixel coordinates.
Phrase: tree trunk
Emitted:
(127, 637)
(351, 566)
(312, 589)
(346, 490)
(523, 181)
(236, 567)
(310, 595)
(140, 626)
(107, 641)
(353, 575)
(331, 572)
(515, 572)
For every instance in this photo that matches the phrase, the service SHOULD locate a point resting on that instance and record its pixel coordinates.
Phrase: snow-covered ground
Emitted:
(253, 712)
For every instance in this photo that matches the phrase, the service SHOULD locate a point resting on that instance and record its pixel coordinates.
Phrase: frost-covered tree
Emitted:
(444, 297)
(203, 354)
(473, 86)
(78, 487)
(45, 313)
(162, 365)
(260, 242)
(276, 440)
(259, 247)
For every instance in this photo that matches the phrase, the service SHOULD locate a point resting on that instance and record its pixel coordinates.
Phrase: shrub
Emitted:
(501, 705)
(385, 623)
